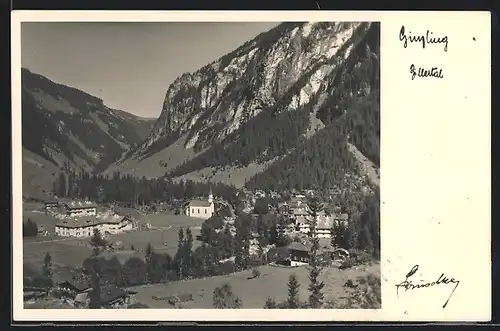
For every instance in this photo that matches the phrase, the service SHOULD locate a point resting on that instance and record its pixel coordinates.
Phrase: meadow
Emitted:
(163, 236)
(253, 291)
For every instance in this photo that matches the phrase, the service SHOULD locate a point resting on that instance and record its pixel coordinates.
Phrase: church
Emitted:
(200, 208)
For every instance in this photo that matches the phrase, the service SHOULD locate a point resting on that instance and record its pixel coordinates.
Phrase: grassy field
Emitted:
(73, 251)
(253, 292)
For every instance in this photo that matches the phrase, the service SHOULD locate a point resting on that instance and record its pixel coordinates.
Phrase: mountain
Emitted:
(296, 106)
(63, 126)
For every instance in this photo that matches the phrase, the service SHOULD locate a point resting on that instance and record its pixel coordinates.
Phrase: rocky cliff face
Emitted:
(290, 66)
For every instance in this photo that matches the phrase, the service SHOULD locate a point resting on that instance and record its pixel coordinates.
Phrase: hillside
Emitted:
(265, 98)
(63, 125)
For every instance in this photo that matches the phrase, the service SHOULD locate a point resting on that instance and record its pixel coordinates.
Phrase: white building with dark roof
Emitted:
(80, 208)
(84, 226)
(200, 208)
(324, 223)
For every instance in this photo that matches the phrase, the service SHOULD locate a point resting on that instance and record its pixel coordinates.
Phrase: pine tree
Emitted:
(207, 259)
(339, 236)
(180, 253)
(97, 242)
(365, 239)
(188, 251)
(270, 304)
(293, 291)
(100, 194)
(47, 265)
(315, 286)
(224, 298)
(242, 243)
(95, 293)
(61, 189)
(149, 261)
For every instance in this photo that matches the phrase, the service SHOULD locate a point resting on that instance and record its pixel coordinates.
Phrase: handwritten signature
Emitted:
(407, 284)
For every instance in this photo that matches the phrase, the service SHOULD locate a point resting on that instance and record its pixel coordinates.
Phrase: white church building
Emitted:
(200, 208)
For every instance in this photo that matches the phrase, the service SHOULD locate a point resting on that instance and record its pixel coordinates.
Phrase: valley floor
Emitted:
(163, 236)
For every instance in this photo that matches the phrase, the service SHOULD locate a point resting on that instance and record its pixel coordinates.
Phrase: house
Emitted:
(298, 253)
(344, 218)
(284, 208)
(324, 223)
(111, 297)
(76, 285)
(42, 231)
(68, 279)
(51, 206)
(114, 297)
(299, 209)
(84, 226)
(80, 208)
(200, 208)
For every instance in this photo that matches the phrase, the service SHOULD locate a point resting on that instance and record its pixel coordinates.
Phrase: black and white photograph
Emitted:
(201, 165)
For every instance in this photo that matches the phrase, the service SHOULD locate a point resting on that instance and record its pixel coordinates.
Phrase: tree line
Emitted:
(262, 138)
(133, 191)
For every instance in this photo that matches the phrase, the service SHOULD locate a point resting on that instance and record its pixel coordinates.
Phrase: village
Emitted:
(128, 231)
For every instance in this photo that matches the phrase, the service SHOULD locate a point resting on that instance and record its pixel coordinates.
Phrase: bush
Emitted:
(360, 257)
(255, 273)
(227, 267)
(348, 263)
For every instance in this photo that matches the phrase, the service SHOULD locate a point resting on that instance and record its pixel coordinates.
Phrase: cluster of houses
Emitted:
(80, 219)
(74, 291)
(298, 211)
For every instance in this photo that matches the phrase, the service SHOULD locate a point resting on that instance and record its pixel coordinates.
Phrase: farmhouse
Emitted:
(84, 226)
(111, 297)
(284, 208)
(80, 208)
(200, 208)
(298, 253)
(68, 279)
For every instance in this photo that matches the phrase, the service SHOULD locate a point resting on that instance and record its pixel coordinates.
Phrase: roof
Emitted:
(51, 202)
(322, 222)
(78, 284)
(80, 204)
(87, 221)
(111, 293)
(300, 212)
(199, 203)
(298, 246)
(81, 297)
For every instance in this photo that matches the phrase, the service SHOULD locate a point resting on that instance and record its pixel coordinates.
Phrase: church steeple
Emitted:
(210, 196)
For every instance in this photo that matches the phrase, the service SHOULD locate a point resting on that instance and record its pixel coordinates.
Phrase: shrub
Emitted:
(348, 263)
(255, 273)
(360, 257)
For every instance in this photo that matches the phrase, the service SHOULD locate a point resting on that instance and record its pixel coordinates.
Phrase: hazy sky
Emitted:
(128, 65)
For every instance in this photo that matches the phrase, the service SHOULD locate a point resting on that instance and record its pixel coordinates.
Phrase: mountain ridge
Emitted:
(66, 127)
(211, 120)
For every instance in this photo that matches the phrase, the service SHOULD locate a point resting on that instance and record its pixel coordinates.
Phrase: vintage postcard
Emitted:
(251, 166)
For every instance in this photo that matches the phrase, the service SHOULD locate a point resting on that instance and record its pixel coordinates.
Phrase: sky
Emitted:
(128, 65)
